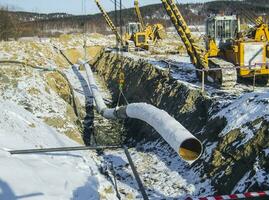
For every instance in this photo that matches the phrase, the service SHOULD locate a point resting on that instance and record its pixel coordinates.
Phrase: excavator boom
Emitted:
(194, 51)
(109, 22)
(138, 14)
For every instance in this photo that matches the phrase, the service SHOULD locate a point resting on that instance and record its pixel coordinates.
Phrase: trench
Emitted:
(144, 83)
(192, 108)
(96, 130)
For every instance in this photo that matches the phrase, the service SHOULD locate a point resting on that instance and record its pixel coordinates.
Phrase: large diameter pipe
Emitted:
(98, 99)
(179, 138)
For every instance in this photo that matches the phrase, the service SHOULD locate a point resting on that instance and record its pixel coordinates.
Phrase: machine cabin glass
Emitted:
(222, 28)
(133, 28)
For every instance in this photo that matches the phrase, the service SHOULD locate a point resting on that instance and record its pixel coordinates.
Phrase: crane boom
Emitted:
(194, 51)
(138, 14)
(109, 22)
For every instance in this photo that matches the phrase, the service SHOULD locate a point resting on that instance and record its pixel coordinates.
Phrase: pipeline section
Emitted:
(179, 138)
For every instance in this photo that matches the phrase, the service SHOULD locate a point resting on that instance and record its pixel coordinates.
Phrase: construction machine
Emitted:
(227, 54)
(154, 32)
(134, 36)
(260, 32)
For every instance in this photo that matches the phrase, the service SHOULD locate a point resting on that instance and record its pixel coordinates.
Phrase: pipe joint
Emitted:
(120, 112)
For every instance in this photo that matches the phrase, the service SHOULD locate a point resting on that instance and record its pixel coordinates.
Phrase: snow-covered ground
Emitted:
(160, 168)
(43, 176)
(76, 175)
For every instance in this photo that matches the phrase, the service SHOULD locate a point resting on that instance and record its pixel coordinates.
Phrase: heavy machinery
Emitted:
(154, 32)
(134, 36)
(260, 32)
(227, 54)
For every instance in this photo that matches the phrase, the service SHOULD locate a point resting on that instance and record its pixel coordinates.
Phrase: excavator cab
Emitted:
(135, 33)
(222, 28)
(133, 28)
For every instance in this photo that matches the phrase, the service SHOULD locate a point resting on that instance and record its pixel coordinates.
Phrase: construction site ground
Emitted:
(37, 112)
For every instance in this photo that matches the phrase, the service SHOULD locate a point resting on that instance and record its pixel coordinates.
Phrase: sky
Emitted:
(72, 6)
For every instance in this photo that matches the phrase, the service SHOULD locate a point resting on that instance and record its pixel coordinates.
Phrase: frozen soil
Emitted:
(233, 125)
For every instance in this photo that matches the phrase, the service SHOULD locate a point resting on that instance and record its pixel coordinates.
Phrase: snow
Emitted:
(266, 151)
(246, 108)
(208, 150)
(75, 175)
(44, 102)
(164, 174)
(42, 176)
(258, 176)
(240, 186)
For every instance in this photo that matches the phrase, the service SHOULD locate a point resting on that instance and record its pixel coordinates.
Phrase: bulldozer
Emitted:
(134, 38)
(154, 32)
(227, 54)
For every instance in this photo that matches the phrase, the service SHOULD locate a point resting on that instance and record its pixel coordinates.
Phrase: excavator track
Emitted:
(226, 78)
(131, 46)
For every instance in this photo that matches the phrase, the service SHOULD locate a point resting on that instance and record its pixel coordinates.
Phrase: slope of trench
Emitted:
(96, 130)
(230, 167)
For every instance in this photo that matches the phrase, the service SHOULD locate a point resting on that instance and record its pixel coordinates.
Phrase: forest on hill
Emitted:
(27, 23)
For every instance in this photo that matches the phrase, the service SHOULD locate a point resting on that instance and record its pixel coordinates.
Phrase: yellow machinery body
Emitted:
(224, 48)
(154, 32)
(247, 54)
(134, 36)
(260, 33)
(234, 47)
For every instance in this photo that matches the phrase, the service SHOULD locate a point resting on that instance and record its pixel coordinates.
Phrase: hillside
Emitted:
(194, 13)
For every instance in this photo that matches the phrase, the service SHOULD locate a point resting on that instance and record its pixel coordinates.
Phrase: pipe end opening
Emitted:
(191, 149)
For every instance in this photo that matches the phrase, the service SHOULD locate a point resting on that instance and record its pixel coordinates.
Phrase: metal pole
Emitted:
(49, 150)
(116, 13)
(121, 17)
(116, 22)
(203, 81)
(137, 178)
(254, 79)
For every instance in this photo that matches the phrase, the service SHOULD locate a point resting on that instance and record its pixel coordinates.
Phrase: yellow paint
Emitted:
(188, 154)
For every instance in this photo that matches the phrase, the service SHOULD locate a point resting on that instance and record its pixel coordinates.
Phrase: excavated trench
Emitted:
(222, 163)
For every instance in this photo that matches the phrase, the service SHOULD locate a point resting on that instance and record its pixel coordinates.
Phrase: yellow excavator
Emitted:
(260, 32)
(227, 54)
(154, 32)
(134, 37)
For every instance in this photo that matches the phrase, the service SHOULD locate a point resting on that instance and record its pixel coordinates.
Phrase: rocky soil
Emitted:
(233, 126)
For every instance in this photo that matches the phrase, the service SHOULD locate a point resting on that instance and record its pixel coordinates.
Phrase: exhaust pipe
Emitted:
(179, 138)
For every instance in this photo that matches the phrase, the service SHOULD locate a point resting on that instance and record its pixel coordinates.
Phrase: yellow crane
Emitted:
(110, 23)
(134, 36)
(154, 32)
(260, 32)
(228, 54)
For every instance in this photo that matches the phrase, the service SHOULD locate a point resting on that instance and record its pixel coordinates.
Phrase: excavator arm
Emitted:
(195, 52)
(109, 22)
(138, 14)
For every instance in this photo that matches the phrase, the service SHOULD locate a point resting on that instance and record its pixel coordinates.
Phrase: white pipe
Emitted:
(100, 104)
(178, 137)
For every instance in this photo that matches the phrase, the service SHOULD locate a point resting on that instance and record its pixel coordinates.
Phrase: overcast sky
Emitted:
(71, 6)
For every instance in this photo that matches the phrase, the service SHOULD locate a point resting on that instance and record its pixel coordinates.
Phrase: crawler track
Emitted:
(226, 76)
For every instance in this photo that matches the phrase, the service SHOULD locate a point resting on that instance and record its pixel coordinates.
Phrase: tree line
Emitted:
(17, 24)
